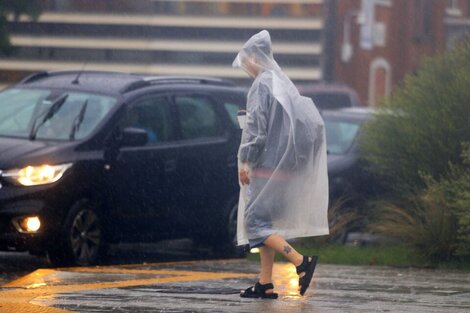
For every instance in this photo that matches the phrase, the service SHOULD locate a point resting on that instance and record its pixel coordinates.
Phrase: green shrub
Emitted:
(427, 224)
(422, 126)
(416, 145)
(437, 222)
(456, 189)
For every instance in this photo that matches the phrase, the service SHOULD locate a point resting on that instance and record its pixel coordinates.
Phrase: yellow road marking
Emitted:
(36, 277)
(36, 284)
(178, 262)
(29, 308)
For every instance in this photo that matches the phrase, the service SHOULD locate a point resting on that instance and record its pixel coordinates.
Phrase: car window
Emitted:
(232, 103)
(330, 100)
(197, 117)
(232, 110)
(152, 115)
(20, 109)
(340, 135)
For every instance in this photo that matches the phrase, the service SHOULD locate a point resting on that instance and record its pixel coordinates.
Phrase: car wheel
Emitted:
(82, 240)
(226, 244)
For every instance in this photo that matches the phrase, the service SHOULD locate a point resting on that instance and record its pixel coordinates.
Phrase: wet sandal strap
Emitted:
(303, 266)
(262, 288)
(259, 291)
(308, 268)
(249, 291)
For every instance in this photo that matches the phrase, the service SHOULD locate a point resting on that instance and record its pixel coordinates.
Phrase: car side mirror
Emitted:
(134, 137)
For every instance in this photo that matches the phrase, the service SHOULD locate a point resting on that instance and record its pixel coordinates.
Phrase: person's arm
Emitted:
(256, 129)
(244, 173)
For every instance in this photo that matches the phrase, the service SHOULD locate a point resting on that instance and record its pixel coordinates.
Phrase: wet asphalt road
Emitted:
(213, 286)
(17, 264)
(14, 265)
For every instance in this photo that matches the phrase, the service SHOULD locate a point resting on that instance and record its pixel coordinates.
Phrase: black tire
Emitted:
(82, 237)
(225, 243)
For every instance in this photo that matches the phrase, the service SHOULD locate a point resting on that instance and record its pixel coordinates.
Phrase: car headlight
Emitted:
(37, 175)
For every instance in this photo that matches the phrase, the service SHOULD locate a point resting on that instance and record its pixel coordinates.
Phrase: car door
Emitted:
(202, 159)
(140, 174)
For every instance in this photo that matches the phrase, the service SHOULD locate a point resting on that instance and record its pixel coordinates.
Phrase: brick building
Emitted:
(378, 42)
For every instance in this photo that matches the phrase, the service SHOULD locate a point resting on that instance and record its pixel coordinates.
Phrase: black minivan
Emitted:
(88, 159)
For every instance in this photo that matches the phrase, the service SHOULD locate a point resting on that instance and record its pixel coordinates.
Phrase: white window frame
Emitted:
(453, 8)
(379, 63)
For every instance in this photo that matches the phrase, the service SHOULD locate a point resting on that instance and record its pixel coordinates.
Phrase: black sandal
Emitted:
(308, 268)
(259, 291)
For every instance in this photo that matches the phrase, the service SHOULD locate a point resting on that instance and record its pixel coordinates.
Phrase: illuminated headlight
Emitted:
(30, 224)
(254, 250)
(37, 175)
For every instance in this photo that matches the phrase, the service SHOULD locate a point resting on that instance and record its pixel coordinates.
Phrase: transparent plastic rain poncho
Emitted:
(283, 145)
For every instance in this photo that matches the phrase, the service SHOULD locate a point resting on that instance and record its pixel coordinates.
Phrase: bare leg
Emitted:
(267, 261)
(278, 243)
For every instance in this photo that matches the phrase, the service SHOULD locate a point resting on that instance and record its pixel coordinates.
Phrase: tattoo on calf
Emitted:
(287, 249)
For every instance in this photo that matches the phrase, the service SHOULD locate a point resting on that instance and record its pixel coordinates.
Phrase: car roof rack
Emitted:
(156, 80)
(33, 77)
(136, 81)
(43, 74)
(196, 79)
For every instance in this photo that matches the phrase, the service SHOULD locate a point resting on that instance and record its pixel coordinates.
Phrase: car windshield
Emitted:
(340, 135)
(34, 113)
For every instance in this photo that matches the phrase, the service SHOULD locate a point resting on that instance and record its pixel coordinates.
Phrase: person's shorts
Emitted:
(263, 207)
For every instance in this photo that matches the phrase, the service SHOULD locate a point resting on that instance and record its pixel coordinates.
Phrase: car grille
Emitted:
(3, 226)
(2, 180)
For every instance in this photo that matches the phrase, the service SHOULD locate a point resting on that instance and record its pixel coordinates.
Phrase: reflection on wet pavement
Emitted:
(213, 286)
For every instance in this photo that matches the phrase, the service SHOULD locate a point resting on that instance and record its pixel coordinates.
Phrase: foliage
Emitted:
(417, 144)
(438, 221)
(344, 215)
(427, 223)
(15, 8)
(456, 189)
(395, 255)
(419, 131)
(342, 218)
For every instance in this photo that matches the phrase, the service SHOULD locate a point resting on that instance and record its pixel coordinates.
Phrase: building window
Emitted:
(380, 81)
(423, 14)
(453, 8)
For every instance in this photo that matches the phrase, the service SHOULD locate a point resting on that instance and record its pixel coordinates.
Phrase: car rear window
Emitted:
(330, 101)
(232, 110)
(340, 135)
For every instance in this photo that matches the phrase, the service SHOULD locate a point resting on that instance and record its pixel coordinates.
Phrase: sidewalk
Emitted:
(213, 286)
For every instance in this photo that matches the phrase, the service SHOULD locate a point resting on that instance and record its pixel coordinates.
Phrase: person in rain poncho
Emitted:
(282, 168)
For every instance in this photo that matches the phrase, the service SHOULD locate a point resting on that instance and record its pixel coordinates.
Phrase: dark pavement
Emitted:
(214, 285)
